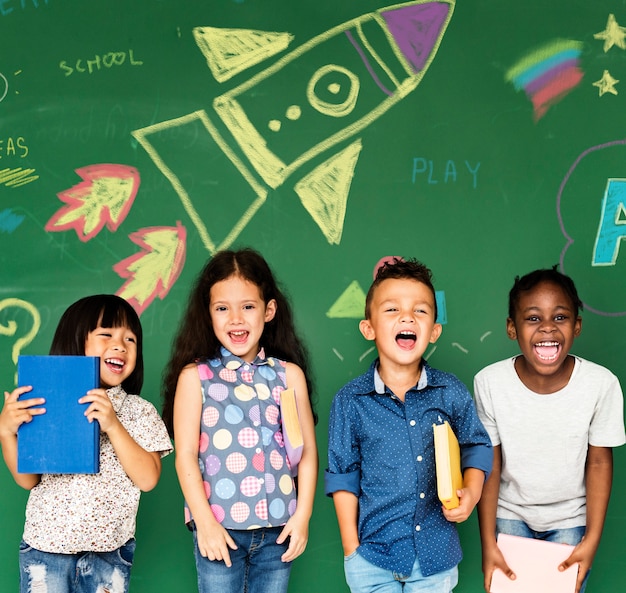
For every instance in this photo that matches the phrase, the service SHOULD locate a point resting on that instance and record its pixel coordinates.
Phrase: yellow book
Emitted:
(292, 430)
(447, 464)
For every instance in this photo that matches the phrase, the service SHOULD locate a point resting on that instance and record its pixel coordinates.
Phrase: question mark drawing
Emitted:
(4, 86)
(11, 326)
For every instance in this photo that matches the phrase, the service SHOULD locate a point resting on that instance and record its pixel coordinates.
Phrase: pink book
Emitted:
(535, 563)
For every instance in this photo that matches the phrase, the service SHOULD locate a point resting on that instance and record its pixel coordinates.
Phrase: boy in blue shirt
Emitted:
(395, 533)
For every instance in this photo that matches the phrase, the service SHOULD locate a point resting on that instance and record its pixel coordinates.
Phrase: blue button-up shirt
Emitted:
(381, 449)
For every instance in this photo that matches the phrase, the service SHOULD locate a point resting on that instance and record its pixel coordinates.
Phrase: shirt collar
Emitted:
(422, 382)
(118, 396)
(234, 362)
(116, 391)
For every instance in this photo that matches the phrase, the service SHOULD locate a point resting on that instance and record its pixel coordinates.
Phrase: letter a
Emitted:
(612, 227)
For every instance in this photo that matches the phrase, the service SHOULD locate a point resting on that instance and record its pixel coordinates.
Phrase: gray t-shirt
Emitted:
(544, 439)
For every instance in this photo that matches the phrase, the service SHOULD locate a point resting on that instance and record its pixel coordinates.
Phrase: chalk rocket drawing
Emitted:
(104, 197)
(548, 73)
(153, 271)
(337, 83)
(231, 51)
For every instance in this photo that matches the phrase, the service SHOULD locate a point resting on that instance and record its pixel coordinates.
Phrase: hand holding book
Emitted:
(62, 440)
(535, 563)
(448, 465)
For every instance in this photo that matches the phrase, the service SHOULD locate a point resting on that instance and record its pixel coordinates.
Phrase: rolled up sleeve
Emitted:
(343, 471)
(349, 482)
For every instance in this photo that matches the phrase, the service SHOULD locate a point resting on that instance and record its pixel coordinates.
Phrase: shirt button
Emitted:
(419, 458)
(258, 450)
(412, 423)
(422, 495)
(417, 528)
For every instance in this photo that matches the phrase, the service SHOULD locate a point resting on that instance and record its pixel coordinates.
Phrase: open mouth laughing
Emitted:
(238, 337)
(115, 365)
(547, 351)
(406, 339)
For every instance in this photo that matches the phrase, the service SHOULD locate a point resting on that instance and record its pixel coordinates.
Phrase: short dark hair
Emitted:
(532, 279)
(85, 315)
(399, 269)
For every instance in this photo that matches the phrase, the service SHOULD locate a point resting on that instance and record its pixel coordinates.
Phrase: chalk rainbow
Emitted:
(548, 73)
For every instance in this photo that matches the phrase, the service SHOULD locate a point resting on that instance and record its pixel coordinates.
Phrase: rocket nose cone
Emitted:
(417, 29)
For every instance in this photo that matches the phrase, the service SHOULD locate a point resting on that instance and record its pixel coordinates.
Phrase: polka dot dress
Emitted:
(242, 457)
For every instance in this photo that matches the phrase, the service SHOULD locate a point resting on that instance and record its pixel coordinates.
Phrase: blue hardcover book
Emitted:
(61, 441)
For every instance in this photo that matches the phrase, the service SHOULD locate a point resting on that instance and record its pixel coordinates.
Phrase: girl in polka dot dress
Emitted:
(235, 353)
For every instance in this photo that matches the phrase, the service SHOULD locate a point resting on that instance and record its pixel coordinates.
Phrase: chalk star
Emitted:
(606, 84)
(612, 35)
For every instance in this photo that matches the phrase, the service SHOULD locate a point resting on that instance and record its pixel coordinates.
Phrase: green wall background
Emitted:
(463, 173)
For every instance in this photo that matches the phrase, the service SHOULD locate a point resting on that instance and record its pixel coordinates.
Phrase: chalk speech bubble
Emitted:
(580, 209)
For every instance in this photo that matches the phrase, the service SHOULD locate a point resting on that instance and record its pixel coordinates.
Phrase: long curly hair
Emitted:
(196, 338)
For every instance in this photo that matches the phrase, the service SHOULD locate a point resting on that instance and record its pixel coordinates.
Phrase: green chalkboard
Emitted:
(137, 137)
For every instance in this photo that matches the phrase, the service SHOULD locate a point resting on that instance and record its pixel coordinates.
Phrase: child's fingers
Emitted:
(98, 402)
(230, 542)
(504, 567)
(15, 394)
(35, 411)
(297, 542)
(29, 404)
(295, 549)
(94, 395)
(282, 536)
(219, 554)
(217, 549)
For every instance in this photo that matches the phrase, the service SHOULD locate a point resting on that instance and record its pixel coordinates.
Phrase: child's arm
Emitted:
(15, 413)
(297, 527)
(487, 506)
(141, 466)
(347, 509)
(213, 539)
(598, 479)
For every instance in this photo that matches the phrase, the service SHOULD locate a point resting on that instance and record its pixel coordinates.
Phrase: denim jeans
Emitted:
(364, 577)
(85, 572)
(256, 564)
(570, 535)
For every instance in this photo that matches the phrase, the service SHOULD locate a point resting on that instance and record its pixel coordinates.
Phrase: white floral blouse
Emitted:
(75, 513)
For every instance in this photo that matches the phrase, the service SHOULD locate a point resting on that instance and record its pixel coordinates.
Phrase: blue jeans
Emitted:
(85, 572)
(570, 535)
(256, 564)
(363, 577)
